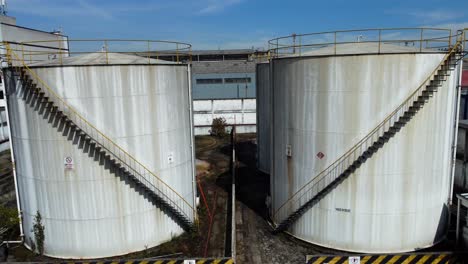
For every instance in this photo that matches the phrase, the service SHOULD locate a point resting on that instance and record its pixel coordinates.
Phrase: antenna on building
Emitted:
(3, 7)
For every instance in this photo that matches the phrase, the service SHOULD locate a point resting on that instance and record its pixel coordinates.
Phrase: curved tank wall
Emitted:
(4, 133)
(88, 212)
(395, 202)
(263, 117)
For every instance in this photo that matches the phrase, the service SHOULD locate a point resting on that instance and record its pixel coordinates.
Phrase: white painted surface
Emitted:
(395, 201)
(88, 212)
(264, 105)
(34, 51)
(241, 112)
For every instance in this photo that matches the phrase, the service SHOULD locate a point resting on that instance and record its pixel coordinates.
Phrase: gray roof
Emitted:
(101, 58)
(365, 48)
(221, 52)
(206, 67)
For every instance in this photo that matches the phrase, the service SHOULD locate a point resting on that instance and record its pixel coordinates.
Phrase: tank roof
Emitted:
(100, 58)
(366, 48)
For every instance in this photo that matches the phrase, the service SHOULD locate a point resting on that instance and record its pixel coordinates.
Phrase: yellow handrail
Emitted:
(359, 144)
(11, 54)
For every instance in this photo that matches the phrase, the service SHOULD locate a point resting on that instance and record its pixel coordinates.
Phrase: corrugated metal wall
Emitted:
(241, 112)
(264, 109)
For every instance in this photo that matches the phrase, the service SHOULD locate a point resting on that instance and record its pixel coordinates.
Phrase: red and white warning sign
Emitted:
(320, 155)
(68, 162)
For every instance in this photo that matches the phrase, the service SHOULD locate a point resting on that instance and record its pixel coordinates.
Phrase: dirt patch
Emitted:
(255, 241)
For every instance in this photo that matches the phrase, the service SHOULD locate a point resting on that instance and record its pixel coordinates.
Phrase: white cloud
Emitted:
(80, 8)
(215, 6)
(436, 15)
(453, 26)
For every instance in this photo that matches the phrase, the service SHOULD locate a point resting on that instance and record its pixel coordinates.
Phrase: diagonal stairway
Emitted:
(152, 186)
(327, 180)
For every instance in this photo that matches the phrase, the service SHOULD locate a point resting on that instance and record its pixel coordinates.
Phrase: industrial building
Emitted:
(224, 85)
(362, 136)
(11, 32)
(223, 74)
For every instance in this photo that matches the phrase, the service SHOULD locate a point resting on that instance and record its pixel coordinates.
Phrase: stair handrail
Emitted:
(283, 209)
(10, 54)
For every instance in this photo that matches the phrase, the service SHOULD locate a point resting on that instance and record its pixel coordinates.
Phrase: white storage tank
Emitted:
(91, 207)
(263, 117)
(324, 102)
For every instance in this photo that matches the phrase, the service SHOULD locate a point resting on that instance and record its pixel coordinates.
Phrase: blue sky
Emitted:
(213, 24)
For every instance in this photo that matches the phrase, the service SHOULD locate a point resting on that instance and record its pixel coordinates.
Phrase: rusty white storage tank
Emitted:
(362, 139)
(103, 147)
(263, 116)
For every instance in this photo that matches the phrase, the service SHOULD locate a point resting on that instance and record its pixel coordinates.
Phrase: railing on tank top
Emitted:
(129, 162)
(61, 48)
(332, 172)
(419, 39)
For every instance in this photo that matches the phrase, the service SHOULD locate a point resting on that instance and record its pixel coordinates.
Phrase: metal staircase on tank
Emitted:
(327, 180)
(157, 190)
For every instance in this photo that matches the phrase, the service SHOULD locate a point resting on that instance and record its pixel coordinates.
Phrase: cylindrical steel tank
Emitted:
(263, 117)
(88, 212)
(323, 104)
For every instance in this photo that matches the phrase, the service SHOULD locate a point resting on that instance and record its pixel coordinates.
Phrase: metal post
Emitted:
(107, 55)
(12, 153)
(465, 152)
(190, 54)
(455, 132)
(177, 52)
(335, 42)
(22, 51)
(277, 47)
(294, 43)
(380, 39)
(457, 236)
(192, 139)
(300, 45)
(60, 52)
(148, 54)
(450, 39)
(420, 41)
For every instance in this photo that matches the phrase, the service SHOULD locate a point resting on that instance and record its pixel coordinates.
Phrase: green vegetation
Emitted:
(38, 230)
(8, 217)
(218, 127)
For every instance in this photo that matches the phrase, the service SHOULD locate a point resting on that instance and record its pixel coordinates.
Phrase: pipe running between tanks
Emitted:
(18, 203)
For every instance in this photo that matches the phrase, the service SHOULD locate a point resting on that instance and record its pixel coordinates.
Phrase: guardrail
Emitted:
(333, 171)
(58, 50)
(372, 41)
(128, 161)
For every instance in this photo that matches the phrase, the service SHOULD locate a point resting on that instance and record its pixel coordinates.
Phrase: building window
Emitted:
(1, 95)
(237, 80)
(210, 81)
